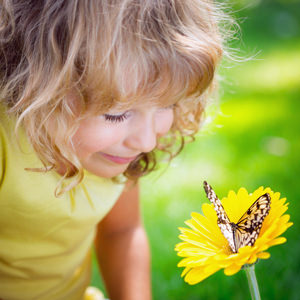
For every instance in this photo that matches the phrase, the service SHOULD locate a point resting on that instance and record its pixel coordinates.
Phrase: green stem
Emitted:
(253, 286)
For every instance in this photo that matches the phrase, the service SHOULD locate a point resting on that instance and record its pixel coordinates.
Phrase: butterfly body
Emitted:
(246, 230)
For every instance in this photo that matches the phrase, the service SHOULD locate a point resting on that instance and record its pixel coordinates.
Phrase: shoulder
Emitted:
(15, 151)
(7, 125)
(126, 212)
(3, 139)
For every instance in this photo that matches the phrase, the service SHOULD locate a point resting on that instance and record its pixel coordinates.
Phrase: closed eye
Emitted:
(116, 118)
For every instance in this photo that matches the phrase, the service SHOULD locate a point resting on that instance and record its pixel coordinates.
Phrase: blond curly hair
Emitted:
(169, 48)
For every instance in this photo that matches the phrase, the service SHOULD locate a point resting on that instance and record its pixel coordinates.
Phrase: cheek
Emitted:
(165, 121)
(93, 136)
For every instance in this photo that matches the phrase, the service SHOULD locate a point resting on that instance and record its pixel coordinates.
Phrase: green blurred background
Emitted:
(251, 138)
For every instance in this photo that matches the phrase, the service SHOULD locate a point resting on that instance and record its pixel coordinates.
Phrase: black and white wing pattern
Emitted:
(248, 227)
(246, 230)
(223, 220)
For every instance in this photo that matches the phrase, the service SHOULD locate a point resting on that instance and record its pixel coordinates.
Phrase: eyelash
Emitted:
(116, 118)
(124, 116)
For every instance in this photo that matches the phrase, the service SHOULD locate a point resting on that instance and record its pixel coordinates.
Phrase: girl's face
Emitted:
(106, 144)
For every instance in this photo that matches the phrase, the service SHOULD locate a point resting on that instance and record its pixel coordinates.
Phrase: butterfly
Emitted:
(246, 230)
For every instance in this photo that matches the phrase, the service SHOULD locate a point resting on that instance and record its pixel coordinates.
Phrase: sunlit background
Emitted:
(251, 138)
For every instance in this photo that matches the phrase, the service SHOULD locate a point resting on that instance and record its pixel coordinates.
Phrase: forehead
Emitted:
(119, 101)
(142, 103)
(158, 99)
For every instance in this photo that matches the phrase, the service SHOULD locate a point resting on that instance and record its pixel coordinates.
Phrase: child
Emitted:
(92, 89)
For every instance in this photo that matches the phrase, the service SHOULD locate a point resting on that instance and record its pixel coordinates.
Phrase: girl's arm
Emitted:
(123, 251)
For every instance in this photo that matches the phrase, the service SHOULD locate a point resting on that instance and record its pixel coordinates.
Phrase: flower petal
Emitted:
(196, 275)
(263, 255)
(231, 270)
(277, 241)
(252, 259)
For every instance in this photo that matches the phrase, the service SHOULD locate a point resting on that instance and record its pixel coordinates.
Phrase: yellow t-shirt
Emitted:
(45, 241)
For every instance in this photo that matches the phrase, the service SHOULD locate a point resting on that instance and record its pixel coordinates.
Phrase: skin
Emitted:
(121, 243)
(136, 132)
(123, 252)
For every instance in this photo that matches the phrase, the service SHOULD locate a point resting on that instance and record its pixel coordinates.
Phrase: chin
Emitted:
(107, 173)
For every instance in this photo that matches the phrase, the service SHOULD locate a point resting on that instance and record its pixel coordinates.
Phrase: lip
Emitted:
(118, 159)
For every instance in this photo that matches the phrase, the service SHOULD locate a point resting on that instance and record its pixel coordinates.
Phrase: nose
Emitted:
(143, 136)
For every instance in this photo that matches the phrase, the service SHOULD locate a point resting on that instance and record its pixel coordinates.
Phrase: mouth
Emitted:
(118, 159)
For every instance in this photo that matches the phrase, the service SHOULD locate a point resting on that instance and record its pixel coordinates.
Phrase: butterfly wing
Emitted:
(248, 227)
(223, 220)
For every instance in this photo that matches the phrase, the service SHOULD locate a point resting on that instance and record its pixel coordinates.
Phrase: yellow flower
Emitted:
(205, 249)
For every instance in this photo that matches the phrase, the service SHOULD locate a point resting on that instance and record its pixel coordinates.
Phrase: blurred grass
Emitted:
(253, 141)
